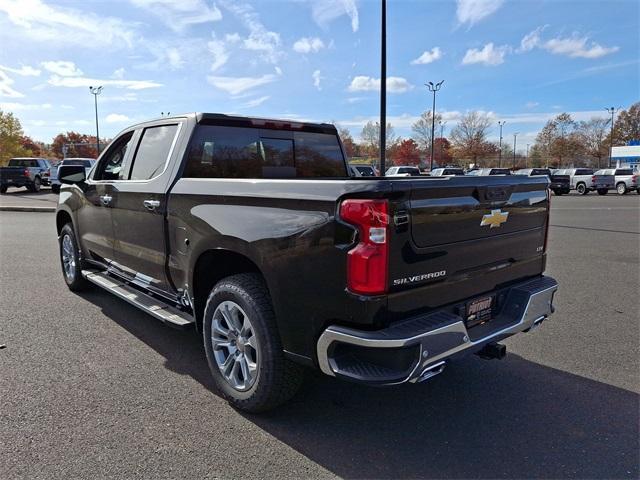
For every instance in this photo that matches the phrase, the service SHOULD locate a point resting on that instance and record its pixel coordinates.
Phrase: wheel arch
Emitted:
(62, 218)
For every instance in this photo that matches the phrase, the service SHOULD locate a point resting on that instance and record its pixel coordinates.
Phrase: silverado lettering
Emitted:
(258, 235)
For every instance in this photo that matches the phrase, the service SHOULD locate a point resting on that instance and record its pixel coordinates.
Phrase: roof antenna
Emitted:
(383, 89)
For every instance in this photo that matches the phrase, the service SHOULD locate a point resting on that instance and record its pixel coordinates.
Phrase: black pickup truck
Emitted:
(253, 232)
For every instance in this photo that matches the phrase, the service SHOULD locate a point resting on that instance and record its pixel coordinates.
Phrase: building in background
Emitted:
(627, 156)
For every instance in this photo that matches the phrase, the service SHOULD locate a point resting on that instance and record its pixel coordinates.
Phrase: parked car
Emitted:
(403, 171)
(559, 184)
(624, 178)
(253, 232)
(23, 172)
(584, 180)
(483, 172)
(88, 164)
(446, 171)
(363, 171)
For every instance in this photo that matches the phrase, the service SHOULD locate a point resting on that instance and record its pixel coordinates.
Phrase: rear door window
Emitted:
(584, 171)
(153, 152)
(624, 171)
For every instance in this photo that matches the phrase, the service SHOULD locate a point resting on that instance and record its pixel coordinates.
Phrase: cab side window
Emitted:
(112, 164)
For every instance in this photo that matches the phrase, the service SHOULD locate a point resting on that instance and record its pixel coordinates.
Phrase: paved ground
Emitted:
(93, 388)
(21, 197)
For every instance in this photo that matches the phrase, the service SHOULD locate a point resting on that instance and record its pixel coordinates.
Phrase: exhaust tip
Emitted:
(493, 350)
(432, 371)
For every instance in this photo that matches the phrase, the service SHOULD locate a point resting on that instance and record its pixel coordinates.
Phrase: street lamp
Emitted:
(95, 91)
(442, 124)
(612, 111)
(383, 87)
(433, 87)
(526, 158)
(501, 124)
(514, 149)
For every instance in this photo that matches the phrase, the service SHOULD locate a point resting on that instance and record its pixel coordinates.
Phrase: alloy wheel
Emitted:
(68, 258)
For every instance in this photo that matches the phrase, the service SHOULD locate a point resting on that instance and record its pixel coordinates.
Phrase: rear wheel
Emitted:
(621, 188)
(36, 185)
(582, 189)
(55, 188)
(603, 191)
(70, 260)
(557, 192)
(3, 189)
(243, 347)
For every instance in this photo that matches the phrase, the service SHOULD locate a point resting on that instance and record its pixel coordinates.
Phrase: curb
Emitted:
(10, 208)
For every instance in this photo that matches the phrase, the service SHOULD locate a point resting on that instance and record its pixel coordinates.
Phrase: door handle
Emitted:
(151, 204)
(106, 199)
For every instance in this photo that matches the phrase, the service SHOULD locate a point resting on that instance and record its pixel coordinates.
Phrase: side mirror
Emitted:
(72, 174)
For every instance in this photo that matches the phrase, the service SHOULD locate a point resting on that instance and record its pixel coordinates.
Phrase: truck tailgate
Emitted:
(12, 173)
(465, 236)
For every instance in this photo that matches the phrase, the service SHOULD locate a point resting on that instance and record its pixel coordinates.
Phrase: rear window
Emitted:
(540, 171)
(233, 152)
(624, 171)
(500, 171)
(584, 171)
(410, 170)
(453, 171)
(84, 163)
(22, 162)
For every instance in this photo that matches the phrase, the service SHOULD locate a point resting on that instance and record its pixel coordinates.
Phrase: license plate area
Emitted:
(480, 311)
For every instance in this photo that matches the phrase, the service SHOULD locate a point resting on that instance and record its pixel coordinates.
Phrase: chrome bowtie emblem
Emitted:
(494, 219)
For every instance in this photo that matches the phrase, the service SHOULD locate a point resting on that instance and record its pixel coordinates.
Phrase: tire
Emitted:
(3, 189)
(621, 188)
(557, 192)
(70, 260)
(36, 185)
(275, 379)
(603, 191)
(55, 188)
(582, 189)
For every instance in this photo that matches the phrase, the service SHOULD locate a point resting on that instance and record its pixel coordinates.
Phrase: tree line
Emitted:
(562, 142)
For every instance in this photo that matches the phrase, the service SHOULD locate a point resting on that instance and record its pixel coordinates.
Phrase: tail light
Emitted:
(634, 179)
(368, 261)
(26, 172)
(546, 227)
(593, 179)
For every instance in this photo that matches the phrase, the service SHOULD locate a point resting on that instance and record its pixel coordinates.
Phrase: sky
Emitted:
(519, 61)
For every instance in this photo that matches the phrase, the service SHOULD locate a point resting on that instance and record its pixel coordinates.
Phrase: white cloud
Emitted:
(237, 85)
(576, 46)
(116, 118)
(15, 107)
(316, 79)
(472, 11)
(255, 102)
(183, 13)
(260, 39)
(174, 58)
(278, 70)
(531, 104)
(62, 68)
(24, 71)
(63, 25)
(325, 11)
(219, 52)
(232, 37)
(6, 90)
(428, 56)
(307, 45)
(75, 82)
(531, 40)
(362, 83)
(118, 74)
(488, 55)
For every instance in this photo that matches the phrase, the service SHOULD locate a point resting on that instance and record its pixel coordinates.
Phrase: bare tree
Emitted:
(370, 136)
(421, 130)
(593, 135)
(469, 136)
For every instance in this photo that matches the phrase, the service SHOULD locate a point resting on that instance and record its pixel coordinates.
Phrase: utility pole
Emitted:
(515, 135)
(95, 91)
(433, 88)
(612, 111)
(442, 124)
(501, 124)
(526, 158)
(383, 88)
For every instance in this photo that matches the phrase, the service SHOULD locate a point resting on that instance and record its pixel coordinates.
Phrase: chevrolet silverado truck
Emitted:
(253, 232)
(24, 172)
(626, 179)
(584, 180)
(559, 184)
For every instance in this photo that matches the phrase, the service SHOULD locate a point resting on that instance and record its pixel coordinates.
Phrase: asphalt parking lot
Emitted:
(91, 387)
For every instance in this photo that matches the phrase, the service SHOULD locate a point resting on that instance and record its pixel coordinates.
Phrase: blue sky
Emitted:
(520, 61)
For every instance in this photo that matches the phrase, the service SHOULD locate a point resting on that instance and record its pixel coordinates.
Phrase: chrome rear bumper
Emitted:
(426, 342)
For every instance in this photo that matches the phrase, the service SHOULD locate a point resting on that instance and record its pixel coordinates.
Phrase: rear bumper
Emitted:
(416, 349)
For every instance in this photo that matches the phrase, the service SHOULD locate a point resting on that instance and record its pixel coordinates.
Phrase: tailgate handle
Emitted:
(401, 218)
(496, 194)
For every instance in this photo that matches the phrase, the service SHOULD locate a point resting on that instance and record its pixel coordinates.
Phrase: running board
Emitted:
(153, 306)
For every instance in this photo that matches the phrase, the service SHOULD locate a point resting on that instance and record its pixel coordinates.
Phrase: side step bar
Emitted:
(153, 306)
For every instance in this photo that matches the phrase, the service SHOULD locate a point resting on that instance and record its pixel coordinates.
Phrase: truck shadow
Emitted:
(480, 419)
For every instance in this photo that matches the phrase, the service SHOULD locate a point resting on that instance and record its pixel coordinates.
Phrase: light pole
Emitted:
(612, 111)
(433, 87)
(95, 91)
(501, 124)
(442, 124)
(383, 88)
(526, 158)
(514, 149)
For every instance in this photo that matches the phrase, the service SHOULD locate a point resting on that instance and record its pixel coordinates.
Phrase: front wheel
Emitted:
(582, 189)
(243, 348)
(603, 191)
(70, 260)
(621, 188)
